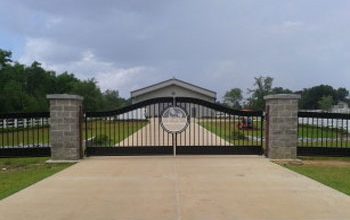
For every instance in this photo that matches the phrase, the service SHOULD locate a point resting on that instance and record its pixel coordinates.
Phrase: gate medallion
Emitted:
(174, 119)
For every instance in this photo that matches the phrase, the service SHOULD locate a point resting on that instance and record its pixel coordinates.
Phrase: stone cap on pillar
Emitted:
(64, 97)
(282, 96)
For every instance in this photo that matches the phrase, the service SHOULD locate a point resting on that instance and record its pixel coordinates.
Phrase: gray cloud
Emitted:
(216, 44)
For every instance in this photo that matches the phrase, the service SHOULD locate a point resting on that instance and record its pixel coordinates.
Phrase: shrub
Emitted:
(236, 135)
(102, 140)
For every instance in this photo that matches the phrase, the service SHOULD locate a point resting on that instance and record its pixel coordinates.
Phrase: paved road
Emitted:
(186, 187)
(154, 135)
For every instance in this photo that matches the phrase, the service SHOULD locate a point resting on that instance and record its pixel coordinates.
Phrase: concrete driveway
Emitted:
(186, 187)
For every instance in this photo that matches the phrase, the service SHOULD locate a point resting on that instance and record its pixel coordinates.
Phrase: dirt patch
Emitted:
(315, 162)
(327, 163)
(19, 167)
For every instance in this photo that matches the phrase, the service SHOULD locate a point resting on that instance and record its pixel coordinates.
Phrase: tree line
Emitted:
(317, 97)
(24, 88)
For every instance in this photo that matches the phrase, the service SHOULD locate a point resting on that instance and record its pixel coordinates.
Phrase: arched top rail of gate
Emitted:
(218, 107)
(213, 106)
(130, 107)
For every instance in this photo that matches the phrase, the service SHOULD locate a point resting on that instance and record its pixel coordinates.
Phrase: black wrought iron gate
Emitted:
(136, 129)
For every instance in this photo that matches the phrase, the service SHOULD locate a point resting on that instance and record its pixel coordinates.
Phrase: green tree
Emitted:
(93, 100)
(311, 96)
(325, 103)
(341, 94)
(233, 98)
(281, 90)
(64, 83)
(112, 100)
(5, 58)
(262, 87)
(12, 94)
(24, 88)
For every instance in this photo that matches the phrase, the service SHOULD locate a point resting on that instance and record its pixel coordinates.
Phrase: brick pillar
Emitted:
(65, 127)
(281, 126)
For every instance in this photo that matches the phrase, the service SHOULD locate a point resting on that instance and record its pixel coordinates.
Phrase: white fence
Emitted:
(22, 123)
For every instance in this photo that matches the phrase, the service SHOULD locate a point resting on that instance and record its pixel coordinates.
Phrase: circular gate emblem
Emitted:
(174, 120)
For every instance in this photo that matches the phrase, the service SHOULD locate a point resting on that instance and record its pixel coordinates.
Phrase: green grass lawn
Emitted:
(109, 133)
(24, 136)
(333, 172)
(229, 131)
(114, 130)
(312, 131)
(19, 173)
(331, 137)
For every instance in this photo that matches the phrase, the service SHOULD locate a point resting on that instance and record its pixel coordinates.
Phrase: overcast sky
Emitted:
(218, 44)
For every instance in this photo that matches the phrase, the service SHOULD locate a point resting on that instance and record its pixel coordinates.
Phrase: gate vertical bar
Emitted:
(267, 123)
(261, 130)
(174, 145)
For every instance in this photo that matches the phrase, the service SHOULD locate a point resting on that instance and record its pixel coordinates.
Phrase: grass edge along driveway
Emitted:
(19, 173)
(332, 172)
